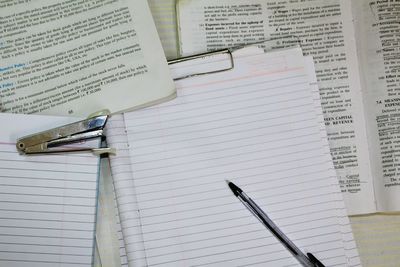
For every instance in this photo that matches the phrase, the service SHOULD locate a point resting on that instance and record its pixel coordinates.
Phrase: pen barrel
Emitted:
(270, 225)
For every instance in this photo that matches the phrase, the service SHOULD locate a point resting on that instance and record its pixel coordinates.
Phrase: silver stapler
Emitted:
(67, 138)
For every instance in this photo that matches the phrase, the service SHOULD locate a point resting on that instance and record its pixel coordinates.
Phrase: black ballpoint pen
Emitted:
(308, 261)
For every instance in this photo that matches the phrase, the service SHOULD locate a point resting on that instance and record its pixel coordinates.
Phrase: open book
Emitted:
(164, 16)
(47, 202)
(257, 125)
(76, 57)
(356, 55)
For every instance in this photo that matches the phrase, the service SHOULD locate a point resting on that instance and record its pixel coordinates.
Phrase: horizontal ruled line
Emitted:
(43, 195)
(43, 245)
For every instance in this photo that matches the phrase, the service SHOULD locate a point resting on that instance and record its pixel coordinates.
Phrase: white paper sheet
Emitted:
(256, 126)
(47, 202)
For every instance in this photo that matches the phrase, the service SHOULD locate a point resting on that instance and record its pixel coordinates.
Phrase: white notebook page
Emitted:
(256, 126)
(47, 202)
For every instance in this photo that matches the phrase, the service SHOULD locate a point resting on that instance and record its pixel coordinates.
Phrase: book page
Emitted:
(324, 30)
(255, 125)
(346, 227)
(377, 31)
(47, 202)
(164, 16)
(74, 58)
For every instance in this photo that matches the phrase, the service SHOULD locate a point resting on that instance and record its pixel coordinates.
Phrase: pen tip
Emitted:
(235, 189)
(314, 260)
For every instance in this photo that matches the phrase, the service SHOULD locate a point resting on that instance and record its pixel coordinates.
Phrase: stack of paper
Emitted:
(47, 202)
(258, 125)
(356, 69)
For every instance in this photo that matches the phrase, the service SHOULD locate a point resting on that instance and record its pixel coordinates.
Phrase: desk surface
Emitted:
(378, 239)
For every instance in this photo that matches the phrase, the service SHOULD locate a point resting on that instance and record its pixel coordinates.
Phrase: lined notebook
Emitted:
(47, 202)
(257, 126)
